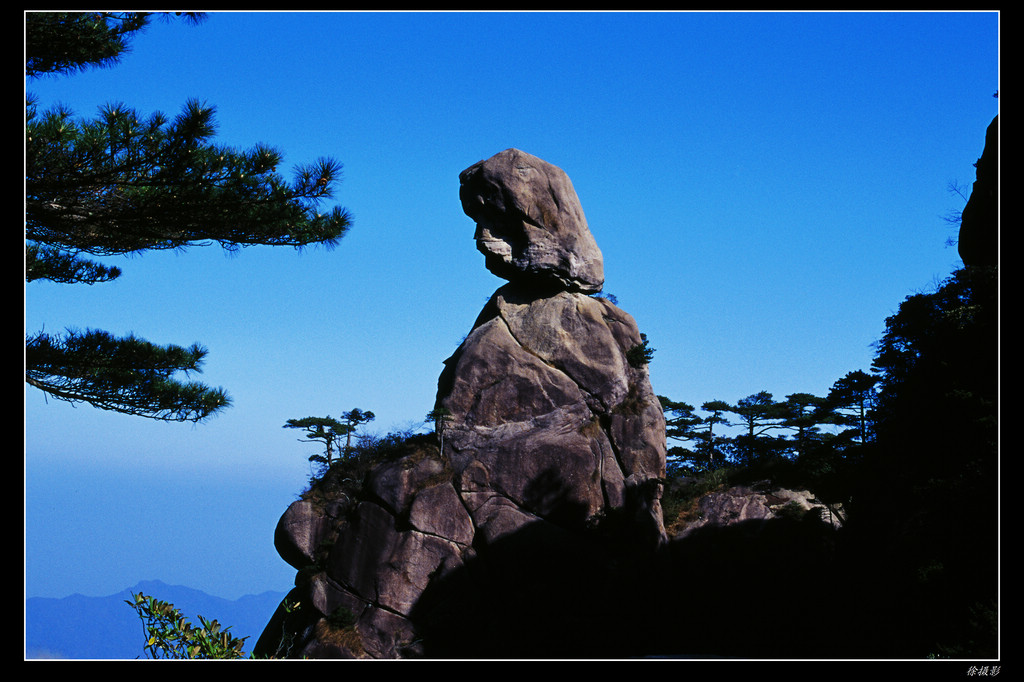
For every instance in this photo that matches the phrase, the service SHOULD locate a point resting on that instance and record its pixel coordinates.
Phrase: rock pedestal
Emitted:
(548, 418)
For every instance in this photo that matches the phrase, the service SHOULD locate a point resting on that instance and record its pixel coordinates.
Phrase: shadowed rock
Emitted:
(978, 242)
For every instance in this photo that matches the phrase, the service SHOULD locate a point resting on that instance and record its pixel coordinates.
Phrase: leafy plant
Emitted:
(124, 183)
(170, 635)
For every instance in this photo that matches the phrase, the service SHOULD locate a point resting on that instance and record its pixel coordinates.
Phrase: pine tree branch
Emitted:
(119, 185)
(126, 375)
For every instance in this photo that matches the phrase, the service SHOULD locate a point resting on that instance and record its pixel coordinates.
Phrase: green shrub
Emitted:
(342, 618)
(640, 354)
(170, 635)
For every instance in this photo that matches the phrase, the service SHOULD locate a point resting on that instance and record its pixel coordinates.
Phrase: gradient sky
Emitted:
(766, 189)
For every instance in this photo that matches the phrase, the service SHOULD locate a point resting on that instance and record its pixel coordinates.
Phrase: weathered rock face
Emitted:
(547, 481)
(530, 226)
(365, 552)
(548, 418)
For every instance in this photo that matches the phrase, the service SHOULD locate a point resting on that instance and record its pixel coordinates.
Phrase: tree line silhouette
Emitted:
(910, 455)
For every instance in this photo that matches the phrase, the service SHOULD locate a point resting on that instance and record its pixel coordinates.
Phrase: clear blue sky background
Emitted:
(766, 190)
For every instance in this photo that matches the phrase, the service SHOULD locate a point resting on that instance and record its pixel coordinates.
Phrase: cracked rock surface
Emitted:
(547, 413)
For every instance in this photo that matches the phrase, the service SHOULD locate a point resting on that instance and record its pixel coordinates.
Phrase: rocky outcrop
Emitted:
(978, 242)
(549, 416)
(544, 496)
(760, 503)
(364, 552)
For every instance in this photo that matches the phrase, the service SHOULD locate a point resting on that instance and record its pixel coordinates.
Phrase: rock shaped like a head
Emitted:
(530, 225)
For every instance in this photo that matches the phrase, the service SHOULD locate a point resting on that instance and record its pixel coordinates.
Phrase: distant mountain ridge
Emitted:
(80, 627)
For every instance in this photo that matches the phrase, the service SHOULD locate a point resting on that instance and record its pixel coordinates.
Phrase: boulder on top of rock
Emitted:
(530, 225)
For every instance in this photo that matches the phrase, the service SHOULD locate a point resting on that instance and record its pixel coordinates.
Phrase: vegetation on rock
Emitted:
(906, 456)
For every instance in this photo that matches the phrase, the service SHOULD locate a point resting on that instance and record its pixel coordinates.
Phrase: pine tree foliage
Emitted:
(66, 42)
(851, 400)
(127, 375)
(328, 431)
(121, 184)
(124, 183)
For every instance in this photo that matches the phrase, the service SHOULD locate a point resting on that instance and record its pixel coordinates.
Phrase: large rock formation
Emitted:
(524, 531)
(550, 418)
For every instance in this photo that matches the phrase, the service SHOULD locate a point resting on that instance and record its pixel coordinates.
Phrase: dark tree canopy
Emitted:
(851, 400)
(66, 42)
(124, 183)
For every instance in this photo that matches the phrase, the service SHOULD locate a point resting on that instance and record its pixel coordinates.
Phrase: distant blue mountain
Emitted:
(80, 627)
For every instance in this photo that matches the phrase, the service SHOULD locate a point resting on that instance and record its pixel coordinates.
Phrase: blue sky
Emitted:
(766, 189)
